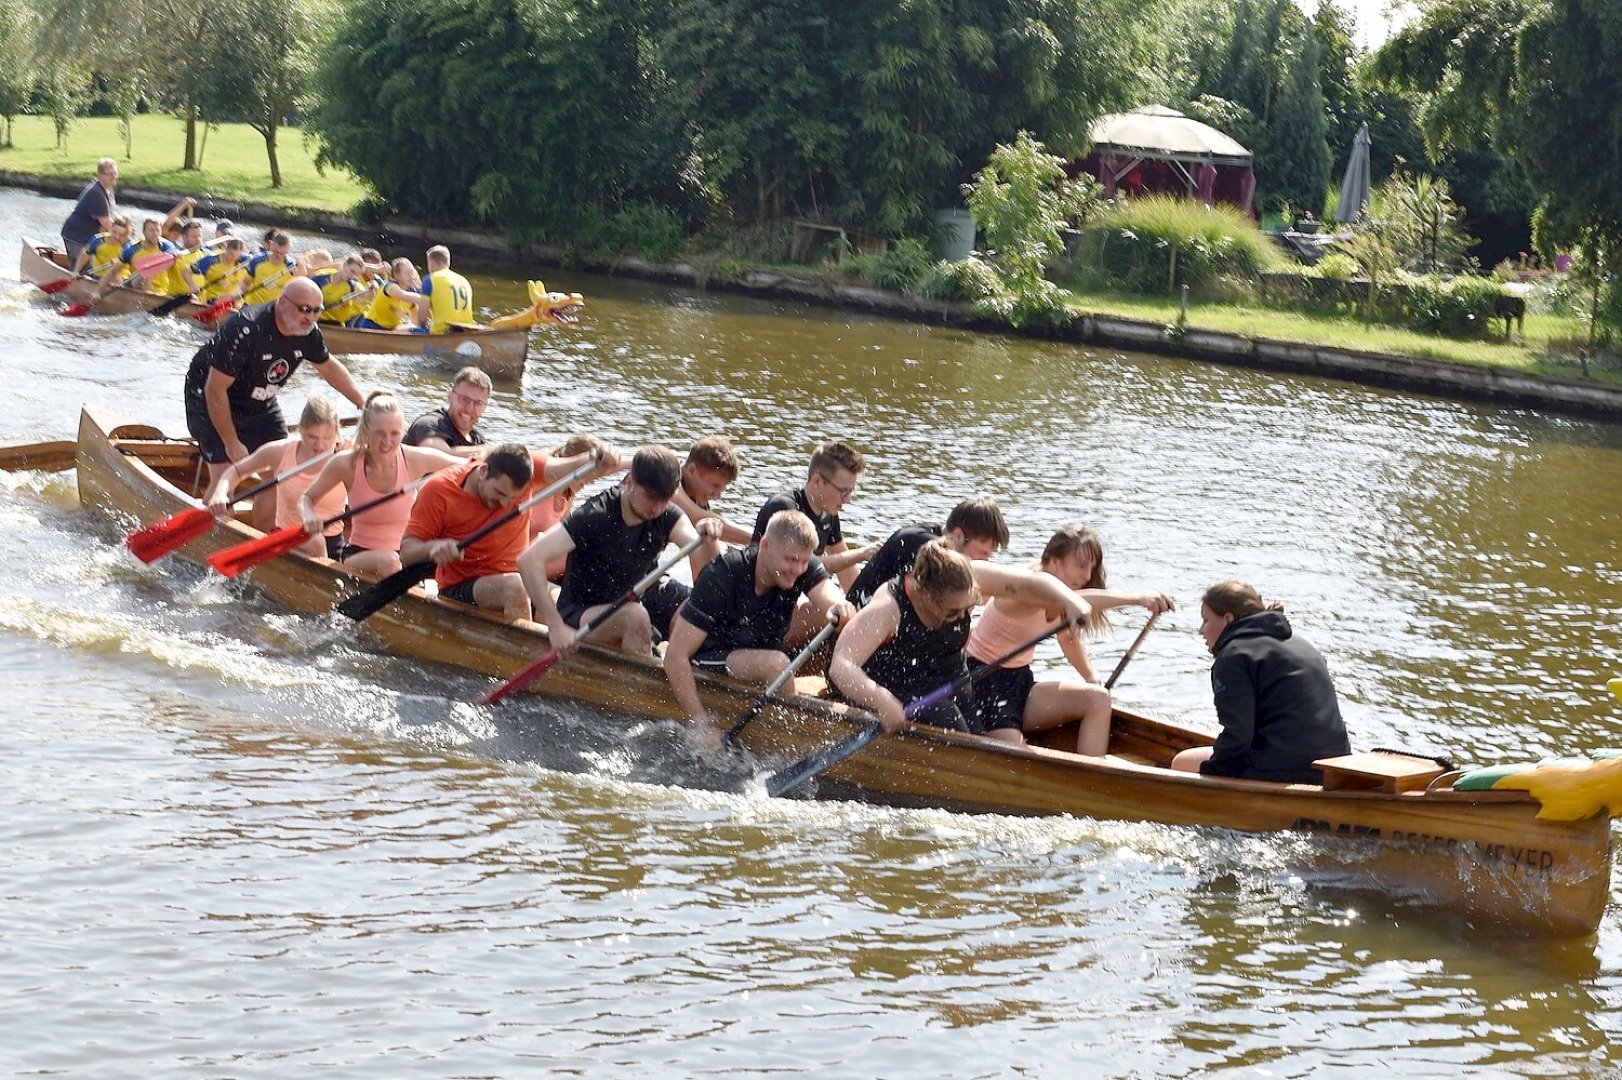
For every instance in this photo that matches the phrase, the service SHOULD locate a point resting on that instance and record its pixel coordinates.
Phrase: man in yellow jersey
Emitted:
(344, 292)
(270, 270)
(450, 297)
(397, 305)
(192, 250)
(174, 222)
(173, 280)
(105, 250)
(222, 273)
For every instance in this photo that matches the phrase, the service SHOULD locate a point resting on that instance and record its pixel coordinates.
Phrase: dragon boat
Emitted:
(500, 349)
(1530, 851)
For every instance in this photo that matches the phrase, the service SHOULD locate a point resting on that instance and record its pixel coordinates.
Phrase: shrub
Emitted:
(1133, 242)
(1336, 266)
(643, 228)
(1459, 308)
(970, 279)
(900, 267)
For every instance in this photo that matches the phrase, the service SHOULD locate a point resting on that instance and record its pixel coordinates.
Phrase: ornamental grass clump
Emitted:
(1156, 243)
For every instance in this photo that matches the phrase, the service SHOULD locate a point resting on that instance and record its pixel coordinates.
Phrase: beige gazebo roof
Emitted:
(1155, 131)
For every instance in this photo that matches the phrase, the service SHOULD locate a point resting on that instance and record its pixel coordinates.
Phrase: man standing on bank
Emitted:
(740, 609)
(234, 380)
(94, 211)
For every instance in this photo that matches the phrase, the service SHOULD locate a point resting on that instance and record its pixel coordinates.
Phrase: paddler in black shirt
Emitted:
(740, 609)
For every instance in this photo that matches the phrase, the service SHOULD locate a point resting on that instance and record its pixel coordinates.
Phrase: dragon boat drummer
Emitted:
(232, 385)
(909, 639)
(1273, 694)
(93, 212)
(736, 618)
(612, 541)
(462, 500)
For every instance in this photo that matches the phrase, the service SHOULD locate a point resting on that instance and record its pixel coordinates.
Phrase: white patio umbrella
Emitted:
(1354, 189)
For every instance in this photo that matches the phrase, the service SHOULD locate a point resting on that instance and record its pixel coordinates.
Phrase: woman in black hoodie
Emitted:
(1273, 693)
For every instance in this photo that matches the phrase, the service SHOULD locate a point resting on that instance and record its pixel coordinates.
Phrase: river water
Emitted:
(241, 846)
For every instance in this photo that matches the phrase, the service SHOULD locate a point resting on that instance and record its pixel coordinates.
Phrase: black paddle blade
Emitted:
(786, 780)
(374, 598)
(171, 304)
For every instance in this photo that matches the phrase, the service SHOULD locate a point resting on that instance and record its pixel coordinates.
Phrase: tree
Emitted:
(531, 114)
(1022, 201)
(1294, 152)
(17, 69)
(260, 69)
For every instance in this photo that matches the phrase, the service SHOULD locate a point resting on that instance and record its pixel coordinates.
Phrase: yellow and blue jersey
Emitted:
(266, 278)
(217, 277)
(450, 300)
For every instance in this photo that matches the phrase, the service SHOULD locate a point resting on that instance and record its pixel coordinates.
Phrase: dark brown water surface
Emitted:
(238, 844)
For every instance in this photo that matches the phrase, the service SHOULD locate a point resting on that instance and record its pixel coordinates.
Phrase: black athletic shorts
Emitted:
(1000, 696)
(254, 429)
(463, 591)
(335, 547)
(662, 600)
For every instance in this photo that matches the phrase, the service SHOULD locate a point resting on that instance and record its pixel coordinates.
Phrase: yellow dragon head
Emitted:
(546, 309)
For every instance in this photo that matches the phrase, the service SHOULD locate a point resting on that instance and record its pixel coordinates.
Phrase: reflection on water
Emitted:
(243, 844)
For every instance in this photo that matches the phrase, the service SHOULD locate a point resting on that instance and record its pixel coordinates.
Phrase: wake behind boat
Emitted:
(1398, 823)
(499, 351)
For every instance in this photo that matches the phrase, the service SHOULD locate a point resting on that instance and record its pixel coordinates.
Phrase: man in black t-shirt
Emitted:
(233, 381)
(740, 609)
(829, 483)
(94, 211)
(975, 527)
(456, 425)
(612, 541)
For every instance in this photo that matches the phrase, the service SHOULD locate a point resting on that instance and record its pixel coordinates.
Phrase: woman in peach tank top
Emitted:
(377, 465)
(317, 434)
(1010, 702)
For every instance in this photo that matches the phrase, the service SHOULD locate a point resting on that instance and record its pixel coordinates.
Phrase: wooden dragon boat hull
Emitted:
(500, 353)
(1485, 854)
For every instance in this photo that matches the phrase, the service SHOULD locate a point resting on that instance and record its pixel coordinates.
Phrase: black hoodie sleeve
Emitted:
(1233, 687)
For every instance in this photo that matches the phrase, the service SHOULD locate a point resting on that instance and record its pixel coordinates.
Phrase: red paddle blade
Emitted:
(73, 311)
(522, 679)
(51, 288)
(152, 542)
(233, 560)
(219, 308)
(159, 260)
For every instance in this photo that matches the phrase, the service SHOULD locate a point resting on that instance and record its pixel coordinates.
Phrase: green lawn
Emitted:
(234, 162)
(1549, 346)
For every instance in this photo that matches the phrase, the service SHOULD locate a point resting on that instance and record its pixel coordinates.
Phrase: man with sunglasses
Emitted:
(234, 380)
(456, 425)
(829, 484)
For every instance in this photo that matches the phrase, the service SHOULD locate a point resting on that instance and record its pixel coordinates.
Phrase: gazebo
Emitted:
(1159, 149)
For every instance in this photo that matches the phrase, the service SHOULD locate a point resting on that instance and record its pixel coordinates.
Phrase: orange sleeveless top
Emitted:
(380, 528)
(289, 491)
(995, 633)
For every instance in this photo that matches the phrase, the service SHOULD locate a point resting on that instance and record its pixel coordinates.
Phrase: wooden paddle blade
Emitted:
(234, 560)
(786, 780)
(51, 288)
(374, 598)
(523, 678)
(73, 311)
(152, 542)
(42, 457)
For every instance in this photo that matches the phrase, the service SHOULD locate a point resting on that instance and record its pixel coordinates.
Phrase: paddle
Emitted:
(51, 456)
(366, 603)
(51, 288)
(546, 663)
(152, 542)
(1131, 651)
(778, 683)
(785, 780)
(147, 265)
(215, 309)
(171, 304)
(245, 556)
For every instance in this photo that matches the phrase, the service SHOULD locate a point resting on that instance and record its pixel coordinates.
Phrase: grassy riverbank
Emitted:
(1549, 346)
(234, 163)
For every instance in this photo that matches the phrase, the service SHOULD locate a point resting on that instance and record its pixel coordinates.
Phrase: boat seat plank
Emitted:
(1389, 773)
(812, 686)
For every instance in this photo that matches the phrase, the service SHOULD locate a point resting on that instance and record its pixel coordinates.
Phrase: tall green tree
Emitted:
(522, 113)
(1295, 154)
(18, 28)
